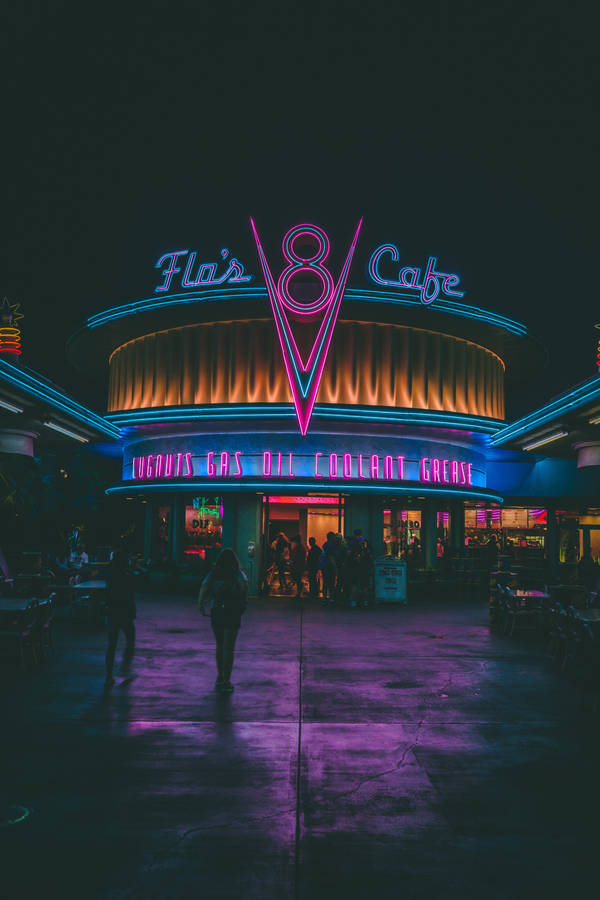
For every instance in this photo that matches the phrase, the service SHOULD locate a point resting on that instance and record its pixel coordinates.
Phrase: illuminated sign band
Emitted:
(269, 464)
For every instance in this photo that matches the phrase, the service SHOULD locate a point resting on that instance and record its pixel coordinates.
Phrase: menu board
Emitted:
(514, 518)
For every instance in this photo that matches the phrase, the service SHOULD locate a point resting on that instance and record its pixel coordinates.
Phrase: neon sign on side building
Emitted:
(10, 334)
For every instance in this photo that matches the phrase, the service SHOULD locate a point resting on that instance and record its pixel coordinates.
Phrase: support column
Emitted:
(242, 524)
(229, 516)
(365, 513)
(457, 528)
(177, 526)
(552, 543)
(14, 440)
(356, 514)
(587, 544)
(248, 544)
(375, 532)
(150, 513)
(430, 533)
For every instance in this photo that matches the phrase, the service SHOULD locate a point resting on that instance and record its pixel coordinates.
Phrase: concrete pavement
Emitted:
(365, 753)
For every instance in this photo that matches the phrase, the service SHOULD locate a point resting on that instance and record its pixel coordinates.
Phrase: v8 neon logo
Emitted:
(304, 376)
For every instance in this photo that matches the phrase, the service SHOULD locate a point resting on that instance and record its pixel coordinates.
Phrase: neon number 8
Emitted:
(312, 264)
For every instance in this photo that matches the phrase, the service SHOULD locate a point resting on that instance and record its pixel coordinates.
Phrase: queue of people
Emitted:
(340, 571)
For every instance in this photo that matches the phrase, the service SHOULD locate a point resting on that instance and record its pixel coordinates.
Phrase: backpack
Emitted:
(361, 553)
(227, 597)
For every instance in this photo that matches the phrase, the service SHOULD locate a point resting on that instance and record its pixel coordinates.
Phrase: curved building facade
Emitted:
(254, 404)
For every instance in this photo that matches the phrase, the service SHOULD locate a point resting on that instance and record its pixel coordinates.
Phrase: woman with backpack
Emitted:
(225, 589)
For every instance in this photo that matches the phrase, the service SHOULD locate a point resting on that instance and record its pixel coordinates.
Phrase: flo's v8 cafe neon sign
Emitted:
(305, 369)
(381, 269)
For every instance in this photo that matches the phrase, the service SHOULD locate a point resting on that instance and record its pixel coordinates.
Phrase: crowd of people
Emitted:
(340, 571)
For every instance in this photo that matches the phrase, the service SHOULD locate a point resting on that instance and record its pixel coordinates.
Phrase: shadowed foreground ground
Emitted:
(381, 753)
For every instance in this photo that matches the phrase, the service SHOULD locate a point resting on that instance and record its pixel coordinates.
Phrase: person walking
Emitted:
(313, 564)
(340, 554)
(121, 613)
(298, 564)
(329, 569)
(225, 589)
(282, 558)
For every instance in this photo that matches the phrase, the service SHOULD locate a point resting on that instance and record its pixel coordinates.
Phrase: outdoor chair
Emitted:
(501, 610)
(557, 634)
(576, 636)
(42, 627)
(545, 621)
(520, 618)
(590, 668)
(17, 637)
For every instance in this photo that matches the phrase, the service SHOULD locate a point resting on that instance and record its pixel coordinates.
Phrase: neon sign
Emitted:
(10, 335)
(207, 509)
(329, 466)
(598, 350)
(304, 375)
(200, 274)
(409, 277)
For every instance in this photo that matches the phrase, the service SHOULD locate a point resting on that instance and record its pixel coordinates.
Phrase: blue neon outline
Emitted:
(139, 306)
(430, 272)
(23, 379)
(280, 485)
(549, 411)
(441, 418)
(442, 304)
(451, 307)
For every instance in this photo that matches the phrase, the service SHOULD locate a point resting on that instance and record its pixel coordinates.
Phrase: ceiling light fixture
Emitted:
(72, 434)
(10, 407)
(545, 440)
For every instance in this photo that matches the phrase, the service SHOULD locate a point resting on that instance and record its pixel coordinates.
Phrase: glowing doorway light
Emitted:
(304, 376)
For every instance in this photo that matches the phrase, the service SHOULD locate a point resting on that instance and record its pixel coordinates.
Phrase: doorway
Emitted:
(286, 517)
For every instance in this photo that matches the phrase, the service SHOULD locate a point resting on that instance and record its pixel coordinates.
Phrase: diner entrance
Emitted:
(284, 518)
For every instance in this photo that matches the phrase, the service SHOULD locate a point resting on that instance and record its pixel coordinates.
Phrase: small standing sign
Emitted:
(390, 580)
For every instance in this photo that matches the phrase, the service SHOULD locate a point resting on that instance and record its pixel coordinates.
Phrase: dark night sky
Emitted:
(466, 130)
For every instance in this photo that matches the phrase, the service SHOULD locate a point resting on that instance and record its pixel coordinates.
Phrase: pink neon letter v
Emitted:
(305, 378)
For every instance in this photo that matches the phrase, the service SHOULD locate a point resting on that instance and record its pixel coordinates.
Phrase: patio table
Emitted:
(97, 585)
(529, 598)
(591, 616)
(16, 604)
(95, 589)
